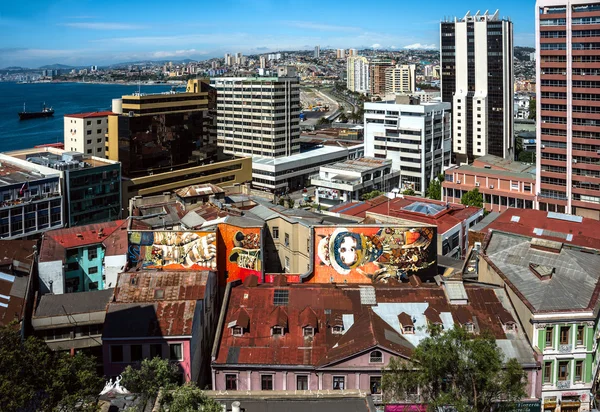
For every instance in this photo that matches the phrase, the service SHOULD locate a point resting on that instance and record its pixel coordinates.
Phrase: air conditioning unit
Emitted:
(458, 181)
(491, 186)
(543, 146)
(477, 184)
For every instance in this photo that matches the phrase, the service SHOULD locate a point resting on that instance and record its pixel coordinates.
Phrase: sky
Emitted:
(100, 32)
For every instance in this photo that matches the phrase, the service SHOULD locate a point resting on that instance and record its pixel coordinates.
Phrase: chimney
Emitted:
(235, 406)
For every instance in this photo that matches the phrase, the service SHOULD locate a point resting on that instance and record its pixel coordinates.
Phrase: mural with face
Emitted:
(372, 254)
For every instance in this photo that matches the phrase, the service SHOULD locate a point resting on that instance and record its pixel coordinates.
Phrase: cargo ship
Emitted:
(45, 112)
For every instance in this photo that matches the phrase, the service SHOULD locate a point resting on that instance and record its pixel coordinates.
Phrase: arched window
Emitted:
(376, 357)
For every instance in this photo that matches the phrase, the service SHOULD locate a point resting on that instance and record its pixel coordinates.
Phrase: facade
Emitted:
(167, 314)
(545, 281)
(31, 198)
(17, 271)
(270, 109)
(415, 136)
(338, 342)
(86, 132)
(357, 74)
(340, 54)
(82, 259)
(452, 220)
(480, 88)
(504, 183)
(352, 52)
(377, 80)
(568, 115)
(345, 181)
(317, 53)
(400, 79)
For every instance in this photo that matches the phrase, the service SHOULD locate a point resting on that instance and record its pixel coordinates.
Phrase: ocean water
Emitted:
(65, 98)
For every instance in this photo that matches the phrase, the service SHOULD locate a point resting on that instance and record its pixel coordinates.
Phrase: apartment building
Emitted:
(317, 53)
(377, 80)
(414, 135)
(568, 106)
(340, 54)
(352, 52)
(480, 88)
(86, 132)
(357, 74)
(400, 79)
(258, 117)
(504, 183)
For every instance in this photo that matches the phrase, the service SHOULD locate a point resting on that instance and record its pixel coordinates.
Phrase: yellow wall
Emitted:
(112, 143)
(300, 237)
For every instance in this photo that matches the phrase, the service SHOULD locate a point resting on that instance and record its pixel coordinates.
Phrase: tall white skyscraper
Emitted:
(357, 74)
(317, 52)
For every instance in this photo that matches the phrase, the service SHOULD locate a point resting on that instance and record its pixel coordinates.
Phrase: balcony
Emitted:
(28, 200)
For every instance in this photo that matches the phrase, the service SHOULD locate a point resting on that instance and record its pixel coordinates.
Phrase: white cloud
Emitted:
(376, 46)
(104, 26)
(420, 46)
(392, 47)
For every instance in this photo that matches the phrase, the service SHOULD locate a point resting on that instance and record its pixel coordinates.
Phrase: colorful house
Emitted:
(171, 315)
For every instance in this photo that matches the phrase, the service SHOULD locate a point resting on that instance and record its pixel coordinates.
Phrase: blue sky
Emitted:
(38, 32)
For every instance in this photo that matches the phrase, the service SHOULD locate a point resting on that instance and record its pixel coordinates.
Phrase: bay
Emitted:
(65, 98)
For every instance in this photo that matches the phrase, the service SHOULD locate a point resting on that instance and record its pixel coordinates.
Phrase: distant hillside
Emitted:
(56, 67)
(522, 53)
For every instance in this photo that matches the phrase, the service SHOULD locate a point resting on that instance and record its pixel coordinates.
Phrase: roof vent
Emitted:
(546, 245)
(79, 235)
(515, 219)
(541, 271)
(367, 295)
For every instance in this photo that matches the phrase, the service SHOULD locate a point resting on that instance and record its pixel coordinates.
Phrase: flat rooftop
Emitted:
(312, 154)
(90, 115)
(73, 303)
(13, 174)
(364, 164)
(508, 165)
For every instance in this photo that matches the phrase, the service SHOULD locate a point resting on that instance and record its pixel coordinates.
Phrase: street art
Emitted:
(243, 249)
(173, 250)
(372, 254)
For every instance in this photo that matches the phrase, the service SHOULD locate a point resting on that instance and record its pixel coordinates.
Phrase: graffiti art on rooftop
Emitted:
(243, 248)
(173, 250)
(372, 254)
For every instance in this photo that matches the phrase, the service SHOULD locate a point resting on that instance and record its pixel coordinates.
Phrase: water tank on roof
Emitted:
(117, 106)
(72, 157)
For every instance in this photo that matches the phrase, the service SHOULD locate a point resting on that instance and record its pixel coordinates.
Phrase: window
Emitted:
(93, 286)
(230, 382)
(302, 382)
(98, 131)
(408, 329)
(578, 371)
(155, 350)
(175, 352)
(92, 270)
(564, 335)
(549, 339)
(89, 132)
(136, 353)
(266, 382)
(99, 149)
(89, 141)
(469, 327)
(277, 331)
(308, 331)
(548, 372)
(89, 122)
(339, 383)
(237, 331)
(338, 329)
(376, 357)
(275, 232)
(307, 245)
(98, 121)
(92, 253)
(580, 333)
(116, 353)
(287, 239)
(563, 367)
(375, 384)
(287, 263)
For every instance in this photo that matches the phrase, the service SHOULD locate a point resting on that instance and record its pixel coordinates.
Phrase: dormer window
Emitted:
(376, 357)
(237, 331)
(510, 326)
(277, 331)
(408, 329)
(469, 327)
(308, 331)
(337, 329)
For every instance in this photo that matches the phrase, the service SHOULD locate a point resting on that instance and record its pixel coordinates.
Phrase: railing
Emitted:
(26, 200)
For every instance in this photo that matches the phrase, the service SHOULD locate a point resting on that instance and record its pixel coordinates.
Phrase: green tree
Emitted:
(189, 398)
(32, 377)
(434, 190)
(371, 195)
(456, 368)
(343, 118)
(526, 157)
(408, 192)
(148, 376)
(291, 203)
(323, 121)
(532, 108)
(472, 198)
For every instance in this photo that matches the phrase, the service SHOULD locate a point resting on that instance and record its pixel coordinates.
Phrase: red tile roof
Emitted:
(325, 306)
(136, 287)
(90, 115)
(113, 235)
(585, 234)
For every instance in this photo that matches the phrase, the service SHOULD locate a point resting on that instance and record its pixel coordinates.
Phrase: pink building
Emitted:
(166, 314)
(337, 337)
(504, 183)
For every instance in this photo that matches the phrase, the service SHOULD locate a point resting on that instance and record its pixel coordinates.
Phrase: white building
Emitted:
(357, 75)
(346, 181)
(86, 133)
(416, 136)
(400, 79)
(317, 52)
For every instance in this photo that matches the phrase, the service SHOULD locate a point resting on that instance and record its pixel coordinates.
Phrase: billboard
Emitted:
(242, 247)
(170, 250)
(362, 254)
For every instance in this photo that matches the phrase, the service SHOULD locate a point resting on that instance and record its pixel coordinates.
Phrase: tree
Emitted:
(526, 157)
(148, 376)
(32, 377)
(188, 398)
(434, 190)
(291, 203)
(323, 121)
(408, 192)
(472, 198)
(371, 195)
(532, 108)
(343, 118)
(458, 369)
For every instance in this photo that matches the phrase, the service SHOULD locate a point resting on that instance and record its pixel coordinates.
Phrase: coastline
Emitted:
(151, 83)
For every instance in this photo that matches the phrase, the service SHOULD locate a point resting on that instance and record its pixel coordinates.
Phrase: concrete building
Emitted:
(346, 181)
(480, 88)
(340, 54)
(416, 136)
(568, 115)
(86, 132)
(91, 185)
(317, 53)
(31, 198)
(504, 183)
(258, 117)
(400, 79)
(377, 80)
(82, 259)
(357, 74)
(352, 52)
(262, 62)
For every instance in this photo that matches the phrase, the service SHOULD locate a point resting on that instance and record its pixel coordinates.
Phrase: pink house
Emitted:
(337, 337)
(164, 314)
